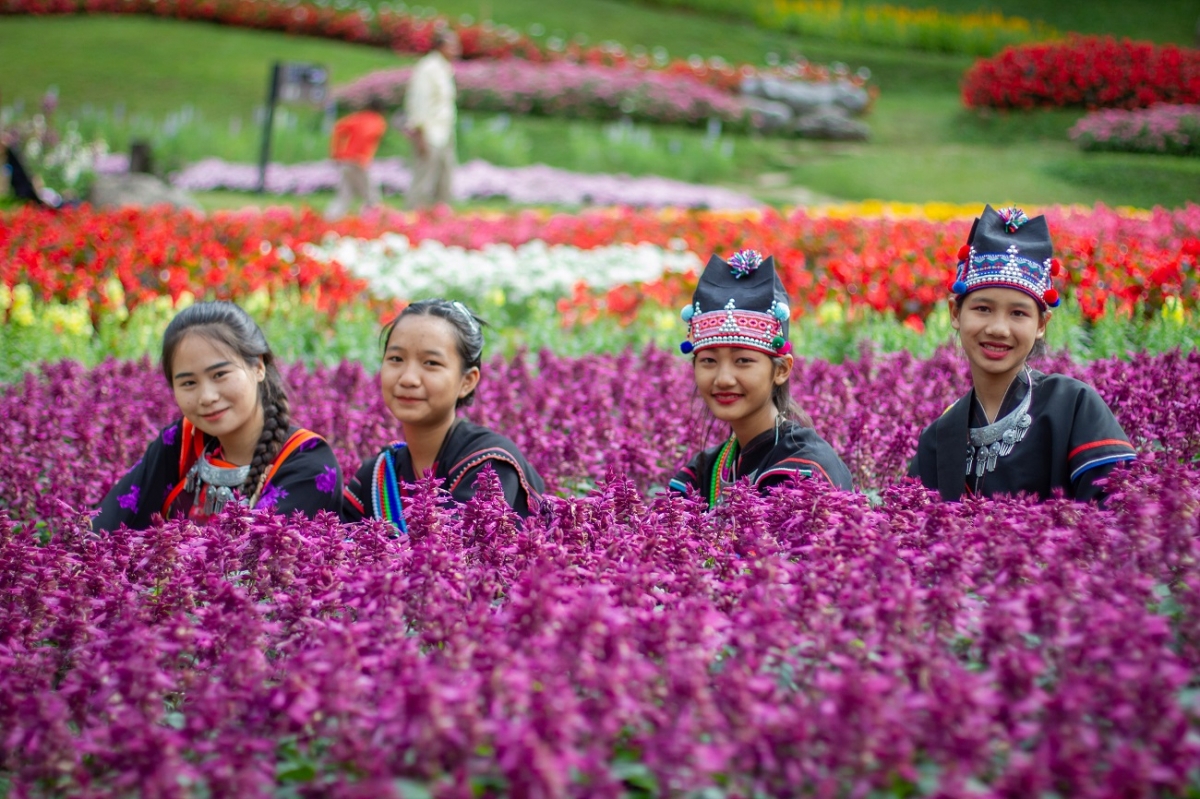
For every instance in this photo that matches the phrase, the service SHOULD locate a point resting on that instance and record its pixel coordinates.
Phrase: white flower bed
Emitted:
(395, 268)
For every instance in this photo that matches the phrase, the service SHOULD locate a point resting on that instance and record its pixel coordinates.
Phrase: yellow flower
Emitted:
(831, 312)
(71, 319)
(256, 302)
(115, 292)
(6, 297)
(1172, 310)
(22, 305)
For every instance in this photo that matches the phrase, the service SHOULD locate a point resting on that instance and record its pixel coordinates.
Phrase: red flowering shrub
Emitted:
(1084, 72)
(1113, 262)
(70, 255)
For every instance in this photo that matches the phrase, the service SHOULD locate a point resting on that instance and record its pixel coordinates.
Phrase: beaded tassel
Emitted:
(724, 458)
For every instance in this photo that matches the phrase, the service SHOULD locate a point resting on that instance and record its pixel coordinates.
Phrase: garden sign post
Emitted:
(289, 83)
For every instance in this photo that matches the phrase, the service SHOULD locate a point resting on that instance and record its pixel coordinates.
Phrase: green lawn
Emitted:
(1156, 20)
(157, 66)
(925, 146)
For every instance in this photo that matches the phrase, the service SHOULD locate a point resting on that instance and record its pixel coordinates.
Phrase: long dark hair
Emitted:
(785, 403)
(468, 333)
(227, 325)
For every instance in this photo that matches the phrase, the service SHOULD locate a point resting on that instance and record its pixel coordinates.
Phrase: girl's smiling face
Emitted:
(217, 391)
(998, 328)
(422, 374)
(736, 385)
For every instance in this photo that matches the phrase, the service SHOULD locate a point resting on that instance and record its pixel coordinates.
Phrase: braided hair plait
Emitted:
(277, 418)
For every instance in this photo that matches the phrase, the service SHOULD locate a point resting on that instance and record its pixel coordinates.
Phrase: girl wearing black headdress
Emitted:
(742, 363)
(1018, 430)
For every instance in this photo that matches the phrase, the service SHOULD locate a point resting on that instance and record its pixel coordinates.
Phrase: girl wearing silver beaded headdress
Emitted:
(742, 362)
(1018, 430)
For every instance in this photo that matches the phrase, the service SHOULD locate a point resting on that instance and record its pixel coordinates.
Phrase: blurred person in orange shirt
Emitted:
(355, 139)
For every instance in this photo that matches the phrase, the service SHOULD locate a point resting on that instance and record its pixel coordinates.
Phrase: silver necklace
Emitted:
(998, 439)
(221, 481)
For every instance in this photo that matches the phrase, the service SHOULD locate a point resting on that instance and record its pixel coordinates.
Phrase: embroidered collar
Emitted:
(726, 469)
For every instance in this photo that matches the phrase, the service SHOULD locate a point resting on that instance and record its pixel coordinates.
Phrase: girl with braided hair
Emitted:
(431, 360)
(235, 441)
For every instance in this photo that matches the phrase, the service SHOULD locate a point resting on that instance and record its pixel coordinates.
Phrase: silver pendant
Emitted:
(993, 453)
(987, 444)
(216, 498)
(219, 480)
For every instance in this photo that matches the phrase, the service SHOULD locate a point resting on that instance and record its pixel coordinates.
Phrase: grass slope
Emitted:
(1172, 21)
(156, 66)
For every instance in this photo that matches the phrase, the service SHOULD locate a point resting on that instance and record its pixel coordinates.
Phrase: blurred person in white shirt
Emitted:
(430, 119)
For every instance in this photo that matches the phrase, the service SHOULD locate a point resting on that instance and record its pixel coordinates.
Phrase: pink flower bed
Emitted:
(564, 89)
(1170, 129)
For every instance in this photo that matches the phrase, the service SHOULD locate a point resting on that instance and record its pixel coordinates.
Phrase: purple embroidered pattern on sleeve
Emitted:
(169, 435)
(327, 480)
(129, 501)
(270, 497)
(310, 444)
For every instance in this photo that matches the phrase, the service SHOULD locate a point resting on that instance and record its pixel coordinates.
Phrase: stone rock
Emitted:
(769, 115)
(804, 97)
(116, 191)
(811, 110)
(831, 123)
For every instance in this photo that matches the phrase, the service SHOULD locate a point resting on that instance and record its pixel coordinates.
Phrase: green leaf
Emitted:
(411, 790)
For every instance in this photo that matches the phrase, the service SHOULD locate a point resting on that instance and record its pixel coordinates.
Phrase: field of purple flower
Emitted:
(810, 643)
(476, 179)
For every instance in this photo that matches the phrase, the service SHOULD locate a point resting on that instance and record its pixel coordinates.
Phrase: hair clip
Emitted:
(462, 309)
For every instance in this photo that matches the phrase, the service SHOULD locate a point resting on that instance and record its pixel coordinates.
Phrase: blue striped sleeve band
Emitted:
(1092, 464)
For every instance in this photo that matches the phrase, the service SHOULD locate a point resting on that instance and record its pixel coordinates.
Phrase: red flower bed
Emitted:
(1113, 262)
(70, 255)
(1087, 72)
